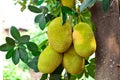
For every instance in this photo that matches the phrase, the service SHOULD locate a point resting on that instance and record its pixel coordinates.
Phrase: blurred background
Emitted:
(10, 15)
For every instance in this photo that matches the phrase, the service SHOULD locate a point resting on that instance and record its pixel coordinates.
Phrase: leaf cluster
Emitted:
(18, 48)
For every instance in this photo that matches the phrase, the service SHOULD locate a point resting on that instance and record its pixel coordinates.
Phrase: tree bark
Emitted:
(108, 41)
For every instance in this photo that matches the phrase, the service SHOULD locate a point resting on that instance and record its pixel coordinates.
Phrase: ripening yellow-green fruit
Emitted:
(68, 3)
(72, 62)
(60, 36)
(49, 60)
(84, 40)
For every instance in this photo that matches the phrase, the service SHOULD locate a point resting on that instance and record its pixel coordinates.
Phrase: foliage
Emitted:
(19, 46)
(19, 72)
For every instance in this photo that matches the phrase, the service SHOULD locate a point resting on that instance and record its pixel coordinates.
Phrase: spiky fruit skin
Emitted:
(84, 40)
(49, 60)
(68, 3)
(72, 62)
(60, 36)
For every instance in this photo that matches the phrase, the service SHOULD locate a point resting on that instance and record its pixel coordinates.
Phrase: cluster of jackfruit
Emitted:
(68, 46)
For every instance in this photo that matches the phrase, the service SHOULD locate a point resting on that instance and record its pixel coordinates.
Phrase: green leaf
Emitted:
(10, 53)
(34, 1)
(73, 77)
(15, 33)
(36, 20)
(42, 21)
(64, 18)
(23, 8)
(55, 77)
(99, 0)
(32, 46)
(35, 53)
(15, 56)
(68, 75)
(86, 62)
(67, 10)
(43, 44)
(44, 9)
(22, 4)
(76, 76)
(44, 76)
(39, 2)
(33, 64)
(86, 74)
(23, 55)
(34, 9)
(58, 70)
(10, 41)
(22, 46)
(24, 39)
(54, 7)
(86, 13)
(86, 3)
(92, 2)
(49, 17)
(5, 47)
(106, 5)
(91, 70)
(93, 26)
(80, 75)
(92, 60)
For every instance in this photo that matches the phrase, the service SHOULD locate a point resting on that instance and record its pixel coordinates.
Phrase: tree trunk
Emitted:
(108, 41)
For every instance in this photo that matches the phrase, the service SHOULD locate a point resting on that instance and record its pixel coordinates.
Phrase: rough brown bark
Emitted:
(108, 41)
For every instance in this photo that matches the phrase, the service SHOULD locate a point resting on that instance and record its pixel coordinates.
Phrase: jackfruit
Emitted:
(72, 62)
(68, 3)
(84, 40)
(60, 36)
(49, 60)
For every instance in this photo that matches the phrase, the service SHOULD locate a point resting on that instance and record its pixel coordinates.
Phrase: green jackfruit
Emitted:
(60, 36)
(72, 62)
(49, 60)
(84, 40)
